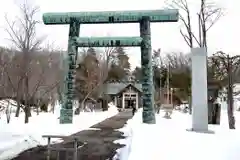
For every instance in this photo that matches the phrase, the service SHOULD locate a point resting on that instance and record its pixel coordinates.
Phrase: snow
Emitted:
(123, 153)
(9, 104)
(169, 139)
(17, 136)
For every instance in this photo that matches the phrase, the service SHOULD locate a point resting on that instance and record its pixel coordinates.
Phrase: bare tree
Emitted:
(179, 66)
(8, 111)
(104, 59)
(228, 66)
(49, 78)
(22, 34)
(157, 58)
(178, 61)
(4, 61)
(209, 13)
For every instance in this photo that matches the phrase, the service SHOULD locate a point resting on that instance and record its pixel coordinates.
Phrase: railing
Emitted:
(59, 149)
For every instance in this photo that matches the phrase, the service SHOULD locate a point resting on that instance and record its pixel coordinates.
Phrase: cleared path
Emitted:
(99, 142)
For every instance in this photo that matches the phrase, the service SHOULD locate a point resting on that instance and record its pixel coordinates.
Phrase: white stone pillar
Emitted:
(199, 90)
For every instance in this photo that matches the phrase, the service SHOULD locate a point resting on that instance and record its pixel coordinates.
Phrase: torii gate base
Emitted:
(144, 41)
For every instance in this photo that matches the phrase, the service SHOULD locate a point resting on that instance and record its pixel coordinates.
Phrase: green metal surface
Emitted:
(64, 70)
(69, 83)
(168, 15)
(147, 73)
(66, 116)
(108, 41)
(143, 17)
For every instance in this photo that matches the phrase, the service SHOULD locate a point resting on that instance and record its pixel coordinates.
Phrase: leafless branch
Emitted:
(208, 15)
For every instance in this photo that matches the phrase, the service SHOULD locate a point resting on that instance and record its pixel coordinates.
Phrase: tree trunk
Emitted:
(37, 110)
(27, 106)
(26, 120)
(77, 110)
(26, 111)
(230, 108)
(18, 109)
(231, 119)
(8, 114)
(29, 112)
(190, 105)
(53, 105)
(38, 107)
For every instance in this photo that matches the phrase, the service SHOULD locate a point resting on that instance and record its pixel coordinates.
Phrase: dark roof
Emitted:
(115, 88)
(91, 99)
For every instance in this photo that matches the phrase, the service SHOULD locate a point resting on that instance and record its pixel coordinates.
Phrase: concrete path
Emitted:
(99, 142)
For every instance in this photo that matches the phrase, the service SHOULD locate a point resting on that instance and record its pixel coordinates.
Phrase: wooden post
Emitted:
(48, 148)
(137, 101)
(58, 155)
(115, 101)
(123, 101)
(76, 149)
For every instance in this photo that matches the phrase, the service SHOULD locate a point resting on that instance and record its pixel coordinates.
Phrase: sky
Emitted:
(223, 35)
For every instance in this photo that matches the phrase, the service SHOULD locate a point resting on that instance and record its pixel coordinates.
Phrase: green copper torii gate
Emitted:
(144, 17)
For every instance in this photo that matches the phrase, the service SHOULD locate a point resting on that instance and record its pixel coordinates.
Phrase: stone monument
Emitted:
(199, 90)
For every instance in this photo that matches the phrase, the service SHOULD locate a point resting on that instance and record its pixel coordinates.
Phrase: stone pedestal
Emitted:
(214, 114)
(214, 109)
(199, 90)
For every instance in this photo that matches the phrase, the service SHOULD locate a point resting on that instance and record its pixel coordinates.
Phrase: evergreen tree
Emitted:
(120, 67)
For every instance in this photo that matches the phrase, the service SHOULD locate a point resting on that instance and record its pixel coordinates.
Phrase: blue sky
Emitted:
(223, 36)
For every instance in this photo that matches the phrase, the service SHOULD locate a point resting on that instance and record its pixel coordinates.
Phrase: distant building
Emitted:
(125, 95)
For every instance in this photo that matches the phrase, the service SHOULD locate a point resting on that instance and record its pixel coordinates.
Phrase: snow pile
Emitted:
(5, 102)
(16, 145)
(112, 108)
(123, 153)
(9, 104)
(169, 140)
(17, 136)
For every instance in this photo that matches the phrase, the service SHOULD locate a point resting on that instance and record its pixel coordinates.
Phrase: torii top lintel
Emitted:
(167, 15)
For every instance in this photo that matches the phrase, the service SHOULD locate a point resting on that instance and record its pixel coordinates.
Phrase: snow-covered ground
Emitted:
(166, 140)
(17, 136)
(169, 140)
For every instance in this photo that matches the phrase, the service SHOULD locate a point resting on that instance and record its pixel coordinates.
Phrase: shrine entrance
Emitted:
(143, 17)
(130, 100)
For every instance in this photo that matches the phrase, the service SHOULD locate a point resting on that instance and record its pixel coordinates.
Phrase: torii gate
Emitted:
(143, 17)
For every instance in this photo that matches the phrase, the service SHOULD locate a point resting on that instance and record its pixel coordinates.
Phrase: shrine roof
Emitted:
(116, 87)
